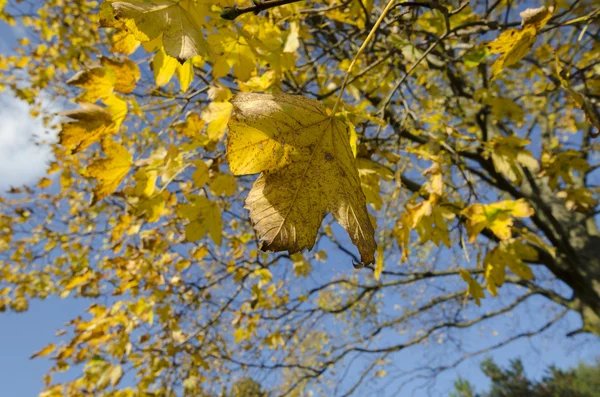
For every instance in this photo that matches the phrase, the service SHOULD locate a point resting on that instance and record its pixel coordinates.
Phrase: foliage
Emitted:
(455, 148)
(581, 381)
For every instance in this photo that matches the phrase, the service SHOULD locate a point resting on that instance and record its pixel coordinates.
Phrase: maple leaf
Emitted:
(91, 122)
(308, 169)
(98, 83)
(126, 72)
(514, 44)
(204, 216)
(109, 171)
(179, 22)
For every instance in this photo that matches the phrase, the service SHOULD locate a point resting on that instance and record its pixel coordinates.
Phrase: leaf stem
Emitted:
(387, 8)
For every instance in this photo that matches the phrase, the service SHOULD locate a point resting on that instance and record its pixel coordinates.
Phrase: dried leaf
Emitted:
(308, 170)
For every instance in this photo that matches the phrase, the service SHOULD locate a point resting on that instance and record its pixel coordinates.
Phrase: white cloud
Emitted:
(24, 144)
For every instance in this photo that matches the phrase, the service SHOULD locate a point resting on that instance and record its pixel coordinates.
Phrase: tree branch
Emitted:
(231, 13)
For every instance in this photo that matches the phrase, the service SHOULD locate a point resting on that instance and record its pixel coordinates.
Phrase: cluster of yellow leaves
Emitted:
(99, 82)
(371, 174)
(308, 169)
(497, 217)
(509, 155)
(514, 44)
(178, 24)
(354, 13)
(584, 104)
(429, 218)
(91, 123)
(164, 67)
(509, 253)
(562, 165)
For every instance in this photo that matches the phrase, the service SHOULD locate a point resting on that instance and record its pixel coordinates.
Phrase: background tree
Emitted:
(473, 129)
(581, 381)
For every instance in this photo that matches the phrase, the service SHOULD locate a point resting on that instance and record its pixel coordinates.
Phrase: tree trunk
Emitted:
(576, 238)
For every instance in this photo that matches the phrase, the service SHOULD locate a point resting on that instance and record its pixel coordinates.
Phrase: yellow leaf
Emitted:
(185, 75)
(44, 352)
(581, 101)
(112, 375)
(163, 67)
(302, 267)
(578, 199)
(378, 263)
(127, 74)
(98, 83)
(44, 183)
(179, 22)
(494, 264)
(109, 171)
(233, 51)
(204, 216)
(223, 184)
(474, 289)
(514, 44)
(511, 253)
(191, 127)
(353, 138)
(91, 123)
(292, 43)
(216, 115)
(117, 107)
(78, 280)
(200, 176)
(145, 182)
(309, 170)
(509, 155)
(124, 43)
(496, 216)
(536, 17)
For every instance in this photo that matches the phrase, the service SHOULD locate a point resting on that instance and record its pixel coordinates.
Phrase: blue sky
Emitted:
(21, 334)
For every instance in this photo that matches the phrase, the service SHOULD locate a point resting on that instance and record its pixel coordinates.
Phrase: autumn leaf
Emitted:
(514, 44)
(126, 72)
(308, 169)
(44, 352)
(474, 289)
(582, 102)
(216, 116)
(179, 22)
(223, 185)
(89, 124)
(204, 216)
(511, 253)
(98, 83)
(124, 43)
(111, 170)
(498, 217)
(371, 174)
(509, 155)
